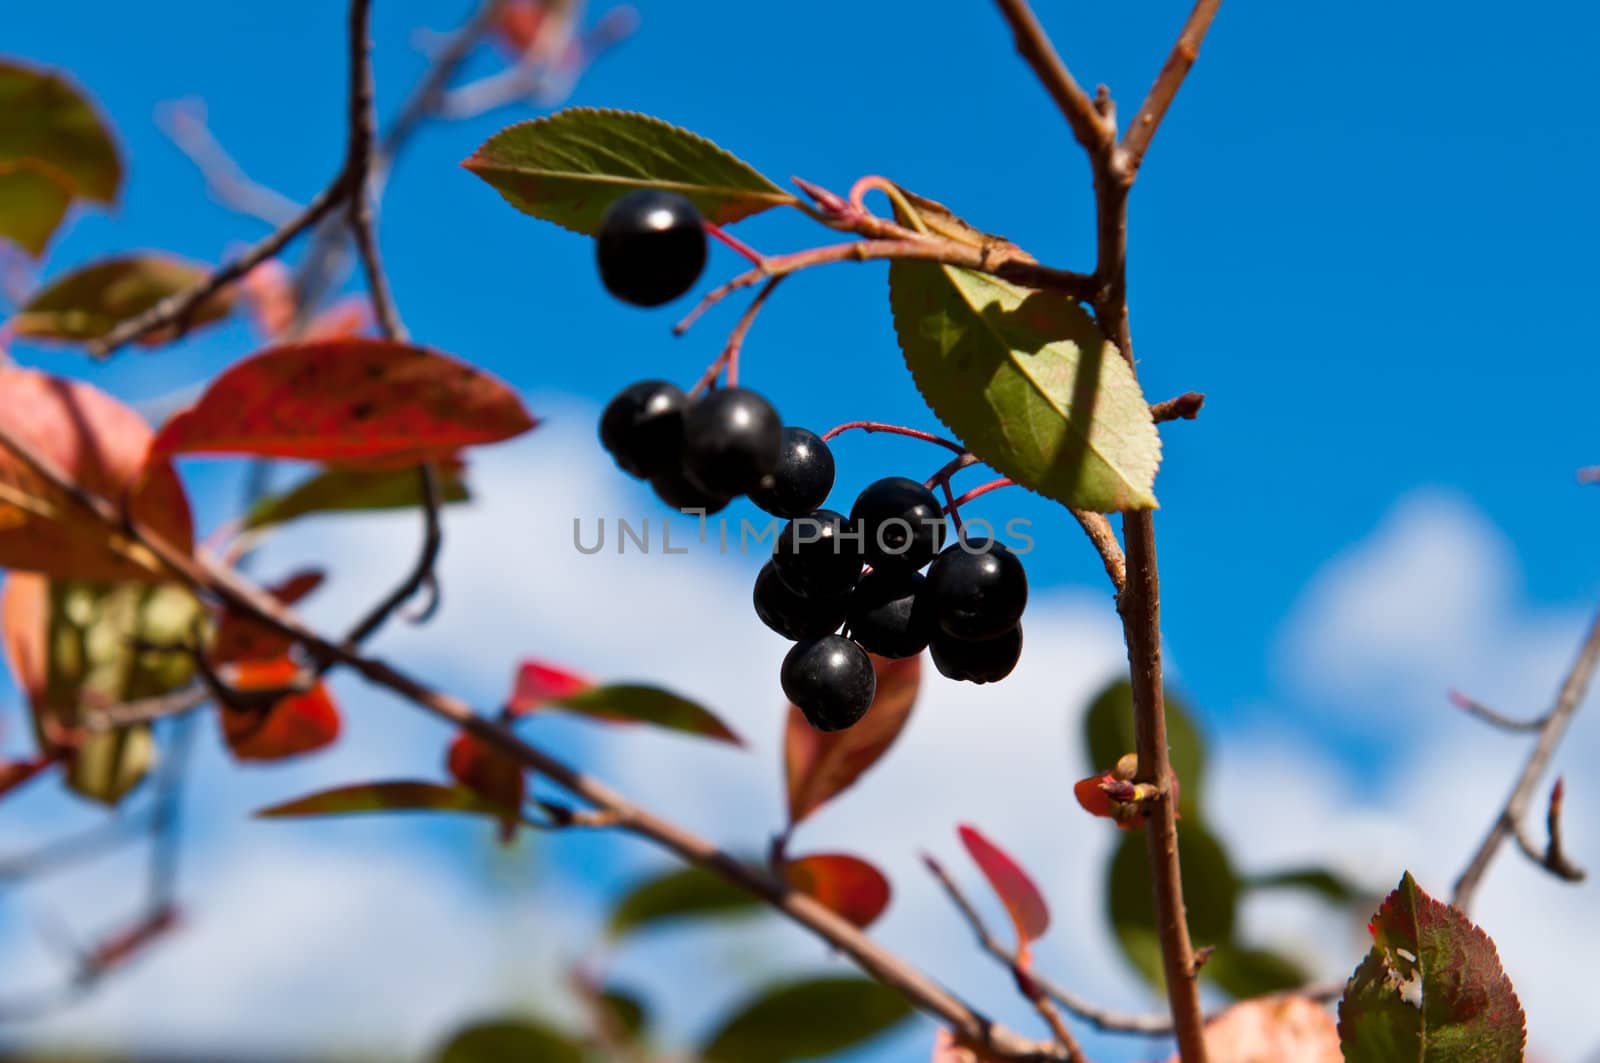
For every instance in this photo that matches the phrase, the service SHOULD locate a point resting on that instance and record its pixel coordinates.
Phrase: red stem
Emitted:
(982, 489)
(894, 429)
(734, 242)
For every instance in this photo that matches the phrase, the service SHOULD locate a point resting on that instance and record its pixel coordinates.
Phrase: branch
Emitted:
(1098, 528)
(1493, 718)
(239, 593)
(1181, 407)
(1508, 823)
(184, 123)
(1136, 141)
(1092, 128)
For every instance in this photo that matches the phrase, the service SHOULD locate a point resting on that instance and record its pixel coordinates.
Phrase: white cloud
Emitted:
(350, 939)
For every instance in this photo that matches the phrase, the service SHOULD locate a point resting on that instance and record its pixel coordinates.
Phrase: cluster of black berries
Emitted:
(864, 573)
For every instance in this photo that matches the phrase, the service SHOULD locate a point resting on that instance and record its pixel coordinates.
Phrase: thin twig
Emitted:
(99, 840)
(145, 710)
(422, 572)
(1495, 719)
(184, 123)
(729, 358)
(1180, 407)
(1508, 822)
(900, 430)
(1088, 124)
(1136, 141)
(1098, 529)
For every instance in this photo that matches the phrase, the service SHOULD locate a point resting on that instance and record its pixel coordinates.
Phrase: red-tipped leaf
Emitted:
(1023, 901)
(820, 765)
(849, 885)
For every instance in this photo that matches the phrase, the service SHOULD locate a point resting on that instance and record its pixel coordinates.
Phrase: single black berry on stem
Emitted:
(642, 428)
(988, 661)
(803, 478)
(901, 523)
(831, 680)
(885, 616)
(977, 589)
(816, 556)
(795, 616)
(651, 247)
(731, 439)
(681, 493)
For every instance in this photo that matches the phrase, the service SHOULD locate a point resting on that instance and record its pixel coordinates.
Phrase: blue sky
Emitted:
(1366, 236)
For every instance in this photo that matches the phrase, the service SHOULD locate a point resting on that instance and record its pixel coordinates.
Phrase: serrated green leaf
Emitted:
(350, 490)
(635, 703)
(1108, 735)
(92, 300)
(45, 118)
(507, 1040)
(32, 204)
(805, 1020)
(690, 893)
(1431, 989)
(1210, 894)
(1025, 379)
(568, 167)
(393, 796)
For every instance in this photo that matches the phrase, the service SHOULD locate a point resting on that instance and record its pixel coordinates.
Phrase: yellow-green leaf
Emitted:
(92, 300)
(568, 167)
(394, 796)
(636, 703)
(32, 203)
(1025, 379)
(349, 490)
(44, 117)
(690, 893)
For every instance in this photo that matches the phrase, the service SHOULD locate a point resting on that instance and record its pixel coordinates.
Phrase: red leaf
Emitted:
(16, 772)
(1117, 798)
(1021, 897)
(295, 724)
(349, 400)
(1093, 798)
(241, 637)
(850, 886)
(819, 765)
(24, 629)
(348, 317)
(100, 444)
(538, 682)
(517, 25)
(492, 775)
(1281, 1027)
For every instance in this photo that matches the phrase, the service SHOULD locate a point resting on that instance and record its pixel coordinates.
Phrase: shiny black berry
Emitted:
(731, 439)
(901, 523)
(977, 590)
(988, 661)
(816, 557)
(885, 616)
(642, 428)
(795, 616)
(650, 247)
(831, 680)
(681, 493)
(803, 478)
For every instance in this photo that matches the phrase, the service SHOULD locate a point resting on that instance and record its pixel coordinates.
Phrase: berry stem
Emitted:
(976, 492)
(894, 429)
(755, 257)
(955, 465)
(729, 358)
(950, 507)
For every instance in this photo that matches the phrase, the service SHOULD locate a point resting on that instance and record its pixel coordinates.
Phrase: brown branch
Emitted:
(1184, 407)
(237, 592)
(1139, 604)
(1098, 528)
(1136, 141)
(359, 167)
(184, 123)
(145, 710)
(1493, 718)
(1508, 822)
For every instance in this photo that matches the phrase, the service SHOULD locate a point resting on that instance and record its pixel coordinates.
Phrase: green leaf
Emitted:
(632, 703)
(44, 118)
(506, 1040)
(1319, 880)
(626, 1012)
(345, 490)
(1025, 379)
(91, 301)
(568, 167)
(1210, 893)
(396, 796)
(1245, 973)
(1431, 989)
(1108, 735)
(691, 893)
(805, 1020)
(32, 204)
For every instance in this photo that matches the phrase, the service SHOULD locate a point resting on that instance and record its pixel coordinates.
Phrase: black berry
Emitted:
(988, 661)
(642, 428)
(816, 557)
(803, 478)
(885, 616)
(795, 616)
(681, 493)
(731, 439)
(901, 523)
(831, 680)
(977, 590)
(650, 247)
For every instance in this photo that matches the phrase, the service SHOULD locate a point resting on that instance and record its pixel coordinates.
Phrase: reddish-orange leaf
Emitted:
(1280, 1027)
(1016, 890)
(1118, 799)
(295, 724)
(100, 444)
(24, 607)
(538, 682)
(492, 775)
(350, 316)
(850, 886)
(819, 765)
(243, 638)
(365, 401)
(1092, 796)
